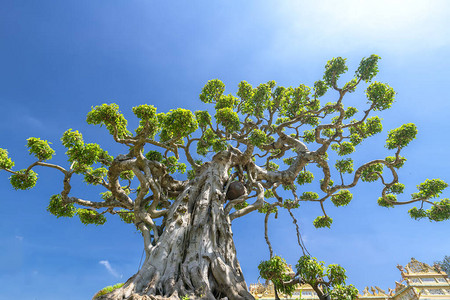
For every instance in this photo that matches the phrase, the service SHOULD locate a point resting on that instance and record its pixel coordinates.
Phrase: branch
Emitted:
(257, 204)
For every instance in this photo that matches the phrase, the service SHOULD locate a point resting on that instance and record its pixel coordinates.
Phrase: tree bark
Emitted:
(195, 256)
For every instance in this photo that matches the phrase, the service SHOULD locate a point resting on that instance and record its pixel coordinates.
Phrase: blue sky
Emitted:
(59, 58)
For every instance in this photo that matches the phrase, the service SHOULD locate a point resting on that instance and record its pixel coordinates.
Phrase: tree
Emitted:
(444, 264)
(265, 138)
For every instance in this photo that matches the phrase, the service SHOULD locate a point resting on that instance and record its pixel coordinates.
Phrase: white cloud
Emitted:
(110, 269)
(347, 25)
(19, 238)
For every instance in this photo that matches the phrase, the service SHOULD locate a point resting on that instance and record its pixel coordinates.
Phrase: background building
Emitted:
(418, 281)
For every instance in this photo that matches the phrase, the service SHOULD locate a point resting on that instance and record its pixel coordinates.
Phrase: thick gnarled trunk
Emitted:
(195, 255)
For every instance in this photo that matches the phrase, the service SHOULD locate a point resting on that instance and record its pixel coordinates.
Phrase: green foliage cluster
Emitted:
(173, 165)
(397, 188)
(440, 211)
(289, 204)
(81, 154)
(254, 101)
(344, 165)
(314, 273)
(258, 138)
(294, 101)
(402, 136)
(277, 271)
(271, 166)
(350, 112)
(126, 175)
(309, 196)
(430, 188)
(320, 88)
(88, 216)
(370, 173)
(387, 200)
(108, 289)
(342, 198)
(368, 68)
(40, 148)
(176, 124)
(240, 205)
(109, 115)
(226, 101)
(23, 179)
(5, 161)
(380, 95)
(203, 118)
(363, 130)
(266, 207)
(309, 136)
(212, 91)
(126, 216)
(305, 177)
(148, 124)
(210, 140)
(95, 176)
(322, 221)
(343, 148)
(396, 164)
(57, 208)
(154, 155)
(228, 118)
(333, 70)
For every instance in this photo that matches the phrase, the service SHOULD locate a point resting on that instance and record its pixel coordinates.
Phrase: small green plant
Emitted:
(109, 289)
